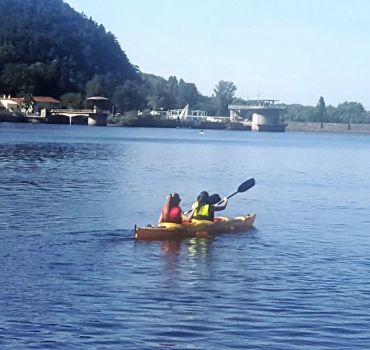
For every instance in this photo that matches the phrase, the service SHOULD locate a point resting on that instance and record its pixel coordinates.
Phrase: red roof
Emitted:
(44, 99)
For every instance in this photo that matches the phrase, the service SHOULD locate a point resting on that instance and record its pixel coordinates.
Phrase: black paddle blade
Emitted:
(245, 186)
(214, 198)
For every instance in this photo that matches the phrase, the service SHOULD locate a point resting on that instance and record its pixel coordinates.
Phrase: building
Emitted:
(8, 104)
(262, 115)
(43, 102)
(34, 106)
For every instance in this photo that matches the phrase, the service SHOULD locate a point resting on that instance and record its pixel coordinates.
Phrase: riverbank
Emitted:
(328, 127)
(161, 123)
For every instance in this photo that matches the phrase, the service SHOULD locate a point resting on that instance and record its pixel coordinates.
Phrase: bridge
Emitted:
(262, 115)
(76, 116)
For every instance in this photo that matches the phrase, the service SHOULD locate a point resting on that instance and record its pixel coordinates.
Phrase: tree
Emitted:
(224, 93)
(71, 100)
(351, 112)
(321, 110)
(47, 48)
(299, 113)
(127, 97)
(173, 91)
(187, 94)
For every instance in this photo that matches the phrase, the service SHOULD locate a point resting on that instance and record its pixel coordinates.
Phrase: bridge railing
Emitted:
(73, 111)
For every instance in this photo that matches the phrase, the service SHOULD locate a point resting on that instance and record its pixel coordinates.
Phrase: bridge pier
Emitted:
(97, 119)
(263, 115)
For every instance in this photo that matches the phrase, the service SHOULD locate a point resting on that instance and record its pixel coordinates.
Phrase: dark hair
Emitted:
(175, 199)
(203, 197)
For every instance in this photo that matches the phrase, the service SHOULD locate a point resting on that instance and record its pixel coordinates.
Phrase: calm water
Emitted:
(72, 277)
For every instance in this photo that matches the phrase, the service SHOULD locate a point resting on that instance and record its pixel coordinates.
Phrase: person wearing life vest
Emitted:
(202, 209)
(171, 210)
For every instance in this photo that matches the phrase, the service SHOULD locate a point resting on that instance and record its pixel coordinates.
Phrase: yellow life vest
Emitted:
(201, 212)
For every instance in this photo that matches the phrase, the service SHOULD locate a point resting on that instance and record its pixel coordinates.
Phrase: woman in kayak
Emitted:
(171, 211)
(203, 209)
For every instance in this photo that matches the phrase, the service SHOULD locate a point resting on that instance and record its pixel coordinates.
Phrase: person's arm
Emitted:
(187, 216)
(221, 206)
(160, 220)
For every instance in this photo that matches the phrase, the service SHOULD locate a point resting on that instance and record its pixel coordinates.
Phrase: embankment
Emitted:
(328, 127)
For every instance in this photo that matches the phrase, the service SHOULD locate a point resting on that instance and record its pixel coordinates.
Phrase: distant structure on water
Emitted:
(181, 114)
(44, 109)
(261, 115)
(97, 116)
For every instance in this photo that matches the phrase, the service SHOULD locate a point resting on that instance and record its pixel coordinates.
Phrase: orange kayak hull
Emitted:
(200, 229)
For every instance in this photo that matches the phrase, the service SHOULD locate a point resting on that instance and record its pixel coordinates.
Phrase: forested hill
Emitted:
(47, 48)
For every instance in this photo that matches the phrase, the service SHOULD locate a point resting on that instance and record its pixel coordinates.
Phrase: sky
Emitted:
(293, 51)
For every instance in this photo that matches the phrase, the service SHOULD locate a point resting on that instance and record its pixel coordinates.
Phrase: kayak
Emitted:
(195, 228)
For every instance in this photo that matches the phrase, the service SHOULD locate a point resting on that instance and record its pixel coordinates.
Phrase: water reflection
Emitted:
(193, 247)
(175, 252)
(171, 247)
(199, 246)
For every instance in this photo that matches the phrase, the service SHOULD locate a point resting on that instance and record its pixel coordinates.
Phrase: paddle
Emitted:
(215, 199)
(245, 186)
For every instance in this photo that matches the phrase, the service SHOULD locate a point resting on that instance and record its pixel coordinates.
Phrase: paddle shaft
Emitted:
(229, 196)
(245, 186)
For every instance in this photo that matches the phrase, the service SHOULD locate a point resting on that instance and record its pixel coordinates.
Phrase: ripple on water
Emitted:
(72, 277)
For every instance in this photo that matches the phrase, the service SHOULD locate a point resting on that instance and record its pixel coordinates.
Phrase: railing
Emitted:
(241, 107)
(73, 111)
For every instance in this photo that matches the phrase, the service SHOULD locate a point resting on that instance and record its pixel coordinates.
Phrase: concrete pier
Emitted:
(263, 115)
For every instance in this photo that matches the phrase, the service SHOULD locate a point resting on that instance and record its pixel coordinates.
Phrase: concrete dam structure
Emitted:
(261, 115)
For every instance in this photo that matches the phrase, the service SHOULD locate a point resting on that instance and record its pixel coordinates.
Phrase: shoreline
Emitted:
(291, 126)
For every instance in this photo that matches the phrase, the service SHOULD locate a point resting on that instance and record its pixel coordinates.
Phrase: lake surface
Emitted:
(72, 277)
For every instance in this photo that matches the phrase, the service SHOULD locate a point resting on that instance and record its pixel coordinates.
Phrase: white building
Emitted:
(9, 104)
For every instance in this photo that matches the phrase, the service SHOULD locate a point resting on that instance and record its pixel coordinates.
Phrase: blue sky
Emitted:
(291, 50)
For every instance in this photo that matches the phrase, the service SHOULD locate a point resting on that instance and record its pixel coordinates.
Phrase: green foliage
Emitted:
(187, 94)
(224, 94)
(127, 97)
(71, 100)
(347, 112)
(160, 93)
(47, 48)
(321, 110)
(299, 113)
(350, 112)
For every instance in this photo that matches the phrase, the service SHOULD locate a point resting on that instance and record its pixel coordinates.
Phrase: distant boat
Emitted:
(201, 132)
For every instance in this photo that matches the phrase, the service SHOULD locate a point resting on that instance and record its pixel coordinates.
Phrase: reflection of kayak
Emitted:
(198, 228)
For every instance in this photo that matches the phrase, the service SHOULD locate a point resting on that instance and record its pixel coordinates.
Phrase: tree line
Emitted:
(346, 112)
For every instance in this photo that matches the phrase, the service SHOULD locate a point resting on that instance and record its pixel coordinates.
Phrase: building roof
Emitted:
(44, 99)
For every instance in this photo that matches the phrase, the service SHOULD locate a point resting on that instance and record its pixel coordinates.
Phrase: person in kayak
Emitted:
(203, 209)
(171, 211)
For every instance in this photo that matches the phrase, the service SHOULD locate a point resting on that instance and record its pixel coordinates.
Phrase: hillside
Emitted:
(47, 48)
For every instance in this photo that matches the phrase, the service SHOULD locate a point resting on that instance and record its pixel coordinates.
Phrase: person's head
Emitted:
(175, 199)
(203, 197)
